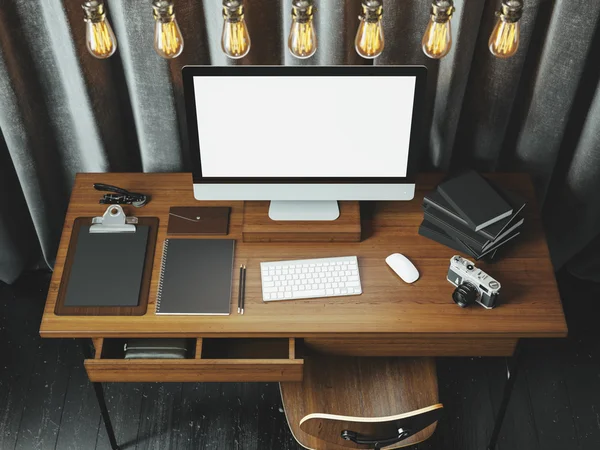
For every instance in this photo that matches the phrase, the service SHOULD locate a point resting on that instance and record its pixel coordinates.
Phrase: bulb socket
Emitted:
(163, 10)
(511, 11)
(302, 11)
(442, 10)
(233, 10)
(372, 10)
(93, 11)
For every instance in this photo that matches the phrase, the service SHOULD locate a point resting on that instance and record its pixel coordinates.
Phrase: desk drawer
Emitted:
(211, 360)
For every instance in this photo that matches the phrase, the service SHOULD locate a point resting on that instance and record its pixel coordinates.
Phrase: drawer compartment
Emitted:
(212, 359)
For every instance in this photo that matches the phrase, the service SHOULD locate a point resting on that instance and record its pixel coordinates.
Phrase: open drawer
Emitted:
(209, 359)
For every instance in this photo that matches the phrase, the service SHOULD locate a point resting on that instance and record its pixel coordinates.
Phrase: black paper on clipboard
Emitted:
(107, 268)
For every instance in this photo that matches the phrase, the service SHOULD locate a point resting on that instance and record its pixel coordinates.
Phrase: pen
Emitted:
(240, 290)
(243, 288)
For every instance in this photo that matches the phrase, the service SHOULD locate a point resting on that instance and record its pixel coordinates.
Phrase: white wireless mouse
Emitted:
(403, 267)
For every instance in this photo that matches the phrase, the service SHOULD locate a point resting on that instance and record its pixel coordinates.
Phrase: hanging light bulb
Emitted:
(504, 40)
(235, 40)
(369, 37)
(437, 39)
(168, 40)
(99, 37)
(302, 41)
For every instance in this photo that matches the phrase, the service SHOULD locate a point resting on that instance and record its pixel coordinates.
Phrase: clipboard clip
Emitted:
(113, 220)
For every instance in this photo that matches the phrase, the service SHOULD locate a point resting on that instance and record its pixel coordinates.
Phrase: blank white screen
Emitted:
(332, 126)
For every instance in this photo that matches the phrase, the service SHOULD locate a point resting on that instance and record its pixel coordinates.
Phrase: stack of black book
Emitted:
(473, 215)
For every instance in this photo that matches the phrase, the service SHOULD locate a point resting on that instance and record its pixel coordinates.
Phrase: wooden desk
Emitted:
(389, 318)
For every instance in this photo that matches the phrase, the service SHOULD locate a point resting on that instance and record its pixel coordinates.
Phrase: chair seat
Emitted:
(371, 396)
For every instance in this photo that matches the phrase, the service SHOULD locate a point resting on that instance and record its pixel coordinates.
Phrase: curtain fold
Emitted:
(63, 111)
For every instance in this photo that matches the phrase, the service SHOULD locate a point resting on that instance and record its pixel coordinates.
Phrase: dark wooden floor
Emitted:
(46, 401)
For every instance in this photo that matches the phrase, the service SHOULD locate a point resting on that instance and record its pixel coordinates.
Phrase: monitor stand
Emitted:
(304, 210)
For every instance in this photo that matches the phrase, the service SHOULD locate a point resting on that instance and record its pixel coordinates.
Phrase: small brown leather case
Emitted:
(198, 220)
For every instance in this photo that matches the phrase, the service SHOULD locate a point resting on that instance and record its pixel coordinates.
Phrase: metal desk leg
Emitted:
(512, 369)
(87, 353)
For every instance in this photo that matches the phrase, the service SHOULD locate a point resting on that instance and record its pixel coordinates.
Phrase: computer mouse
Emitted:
(403, 267)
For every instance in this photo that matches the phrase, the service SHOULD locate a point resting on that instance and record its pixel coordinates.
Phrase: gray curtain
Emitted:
(63, 111)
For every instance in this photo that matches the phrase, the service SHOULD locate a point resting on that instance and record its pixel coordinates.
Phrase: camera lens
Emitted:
(465, 294)
(469, 267)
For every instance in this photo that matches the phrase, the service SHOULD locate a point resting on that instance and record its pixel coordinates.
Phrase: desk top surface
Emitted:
(529, 306)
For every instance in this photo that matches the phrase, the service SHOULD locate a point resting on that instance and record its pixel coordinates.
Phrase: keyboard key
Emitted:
(268, 284)
(270, 289)
(294, 288)
(334, 285)
(352, 284)
(288, 295)
(267, 278)
(313, 293)
(353, 278)
(336, 291)
(329, 291)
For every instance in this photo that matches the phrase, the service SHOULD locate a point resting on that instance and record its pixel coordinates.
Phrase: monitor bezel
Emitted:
(419, 72)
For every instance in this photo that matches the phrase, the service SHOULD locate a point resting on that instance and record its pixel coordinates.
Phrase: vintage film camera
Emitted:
(472, 284)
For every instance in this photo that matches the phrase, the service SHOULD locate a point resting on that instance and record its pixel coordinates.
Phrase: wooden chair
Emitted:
(366, 403)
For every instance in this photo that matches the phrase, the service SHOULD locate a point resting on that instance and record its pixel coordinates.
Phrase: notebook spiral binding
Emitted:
(161, 278)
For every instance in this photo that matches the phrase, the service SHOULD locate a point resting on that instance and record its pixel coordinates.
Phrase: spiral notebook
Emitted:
(196, 277)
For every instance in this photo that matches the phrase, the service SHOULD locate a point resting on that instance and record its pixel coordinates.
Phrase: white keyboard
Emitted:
(310, 278)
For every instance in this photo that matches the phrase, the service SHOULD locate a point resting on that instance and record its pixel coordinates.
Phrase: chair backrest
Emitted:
(370, 432)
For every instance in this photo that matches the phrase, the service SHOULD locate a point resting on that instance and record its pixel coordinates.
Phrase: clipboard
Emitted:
(108, 266)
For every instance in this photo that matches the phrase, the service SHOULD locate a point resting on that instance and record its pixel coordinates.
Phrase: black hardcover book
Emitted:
(493, 231)
(475, 200)
(430, 231)
(493, 247)
(436, 200)
(455, 229)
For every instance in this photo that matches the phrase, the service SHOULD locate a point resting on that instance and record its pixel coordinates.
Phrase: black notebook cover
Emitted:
(431, 231)
(455, 228)
(196, 277)
(475, 199)
(491, 232)
(492, 247)
(107, 268)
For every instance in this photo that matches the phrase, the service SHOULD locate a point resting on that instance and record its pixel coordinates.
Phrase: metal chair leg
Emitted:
(513, 368)
(99, 391)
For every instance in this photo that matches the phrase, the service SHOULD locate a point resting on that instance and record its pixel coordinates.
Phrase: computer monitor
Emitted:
(304, 137)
